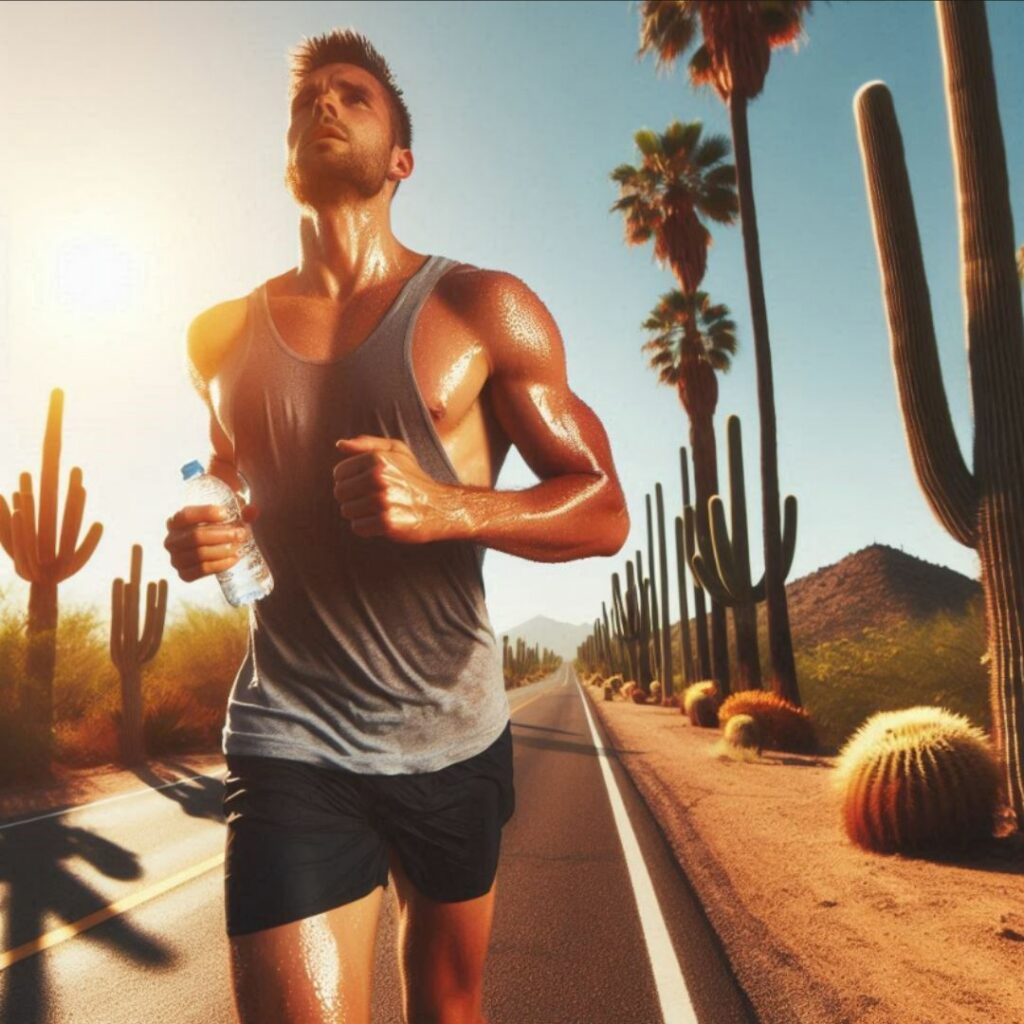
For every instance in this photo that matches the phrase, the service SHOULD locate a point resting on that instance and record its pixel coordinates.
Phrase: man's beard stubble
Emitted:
(317, 181)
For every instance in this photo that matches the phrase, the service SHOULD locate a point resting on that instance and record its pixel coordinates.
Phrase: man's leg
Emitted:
(442, 948)
(314, 971)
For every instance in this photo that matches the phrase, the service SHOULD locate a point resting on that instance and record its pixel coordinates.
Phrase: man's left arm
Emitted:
(577, 510)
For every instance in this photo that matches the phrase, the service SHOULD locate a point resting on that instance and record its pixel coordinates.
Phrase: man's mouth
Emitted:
(327, 133)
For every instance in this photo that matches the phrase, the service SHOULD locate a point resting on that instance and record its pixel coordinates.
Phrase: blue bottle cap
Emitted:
(191, 469)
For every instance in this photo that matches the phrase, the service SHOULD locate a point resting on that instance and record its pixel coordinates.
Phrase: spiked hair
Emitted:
(347, 46)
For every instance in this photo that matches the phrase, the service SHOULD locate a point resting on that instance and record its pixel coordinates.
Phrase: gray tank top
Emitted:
(369, 654)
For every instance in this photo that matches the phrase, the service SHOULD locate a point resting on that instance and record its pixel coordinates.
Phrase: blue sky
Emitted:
(142, 182)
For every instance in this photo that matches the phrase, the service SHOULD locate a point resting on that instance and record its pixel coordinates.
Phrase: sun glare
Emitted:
(96, 274)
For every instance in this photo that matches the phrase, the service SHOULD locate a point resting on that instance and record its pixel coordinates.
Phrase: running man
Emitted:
(361, 405)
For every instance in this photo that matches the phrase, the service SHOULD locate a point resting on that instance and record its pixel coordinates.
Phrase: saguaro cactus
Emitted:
(700, 616)
(984, 508)
(37, 559)
(724, 572)
(130, 652)
(665, 633)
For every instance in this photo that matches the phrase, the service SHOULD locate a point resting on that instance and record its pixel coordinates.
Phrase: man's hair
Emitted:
(347, 46)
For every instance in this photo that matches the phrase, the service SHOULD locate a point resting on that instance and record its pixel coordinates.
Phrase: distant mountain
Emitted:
(876, 586)
(561, 637)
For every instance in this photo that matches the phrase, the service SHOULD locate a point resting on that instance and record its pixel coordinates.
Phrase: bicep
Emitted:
(222, 459)
(555, 431)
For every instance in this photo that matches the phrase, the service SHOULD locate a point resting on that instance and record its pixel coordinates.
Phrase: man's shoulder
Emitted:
(213, 332)
(486, 293)
(504, 312)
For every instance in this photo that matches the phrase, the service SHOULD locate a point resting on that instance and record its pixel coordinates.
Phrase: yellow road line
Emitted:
(69, 931)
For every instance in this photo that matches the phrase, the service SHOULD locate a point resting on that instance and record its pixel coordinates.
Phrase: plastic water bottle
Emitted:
(249, 579)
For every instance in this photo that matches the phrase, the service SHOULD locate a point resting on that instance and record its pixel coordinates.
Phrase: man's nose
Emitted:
(325, 102)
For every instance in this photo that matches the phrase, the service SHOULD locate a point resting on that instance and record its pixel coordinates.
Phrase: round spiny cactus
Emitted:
(741, 738)
(916, 780)
(627, 688)
(655, 692)
(784, 726)
(700, 703)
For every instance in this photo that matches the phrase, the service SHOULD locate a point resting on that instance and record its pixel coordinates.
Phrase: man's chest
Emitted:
(449, 362)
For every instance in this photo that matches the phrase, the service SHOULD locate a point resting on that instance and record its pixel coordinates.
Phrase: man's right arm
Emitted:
(210, 336)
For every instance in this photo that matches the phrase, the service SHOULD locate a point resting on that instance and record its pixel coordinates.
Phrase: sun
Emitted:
(95, 273)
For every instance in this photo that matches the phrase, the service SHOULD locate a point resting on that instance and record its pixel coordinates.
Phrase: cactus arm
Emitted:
(73, 507)
(156, 612)
(116, 622)
(788, 533)
(709, 580)
(725, 564)
(25, 561)
(84, 553)
(949, 486)
(48, 478)
(5, 527)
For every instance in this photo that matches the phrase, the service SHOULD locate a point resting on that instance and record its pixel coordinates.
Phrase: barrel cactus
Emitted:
(918, 780)
(656, 692)
(784, 726)
(700, 703)
(741, 738)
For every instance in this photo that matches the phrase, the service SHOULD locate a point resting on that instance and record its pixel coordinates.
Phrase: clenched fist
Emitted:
(382, 491)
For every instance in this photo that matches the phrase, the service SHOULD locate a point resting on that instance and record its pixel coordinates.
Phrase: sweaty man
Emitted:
(361, 405)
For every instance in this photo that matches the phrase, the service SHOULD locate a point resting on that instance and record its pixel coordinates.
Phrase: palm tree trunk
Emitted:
(780, 641)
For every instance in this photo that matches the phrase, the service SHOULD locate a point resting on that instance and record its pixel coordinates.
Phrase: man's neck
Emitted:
(345, 250)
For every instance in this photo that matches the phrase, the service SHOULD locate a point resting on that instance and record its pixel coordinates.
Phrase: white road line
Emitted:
(106, 800)
(676, 1005)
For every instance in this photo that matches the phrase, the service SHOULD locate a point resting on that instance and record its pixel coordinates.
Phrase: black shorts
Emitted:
(304, 838)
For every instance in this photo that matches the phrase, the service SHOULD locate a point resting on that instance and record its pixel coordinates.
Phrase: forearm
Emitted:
(578, 515)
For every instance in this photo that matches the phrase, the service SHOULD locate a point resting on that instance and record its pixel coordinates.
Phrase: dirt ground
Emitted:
(818, 930)
(74, 786)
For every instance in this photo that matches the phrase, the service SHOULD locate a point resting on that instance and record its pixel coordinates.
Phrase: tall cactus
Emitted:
(130, 652)
(700, 615)
(983, 509)
(37, 559)
(622, 628)
(725, 571)
(683, 546)
(666, 629)
(655, 621)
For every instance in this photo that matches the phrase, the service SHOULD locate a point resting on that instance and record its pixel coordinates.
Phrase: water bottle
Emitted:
(249, 578)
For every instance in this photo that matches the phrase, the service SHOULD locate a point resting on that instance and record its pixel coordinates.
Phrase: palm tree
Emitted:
(737, 40)
(692, 341)
(680, 179)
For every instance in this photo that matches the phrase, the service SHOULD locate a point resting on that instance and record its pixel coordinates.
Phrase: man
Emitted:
(366, 400)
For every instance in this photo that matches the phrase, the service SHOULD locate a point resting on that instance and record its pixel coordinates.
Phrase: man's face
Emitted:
(338, 100)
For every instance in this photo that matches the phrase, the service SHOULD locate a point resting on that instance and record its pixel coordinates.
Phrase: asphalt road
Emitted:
(112, 912)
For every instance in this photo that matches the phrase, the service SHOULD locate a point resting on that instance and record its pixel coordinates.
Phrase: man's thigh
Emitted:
(304, 871)
(444, 830)
(317, 970)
